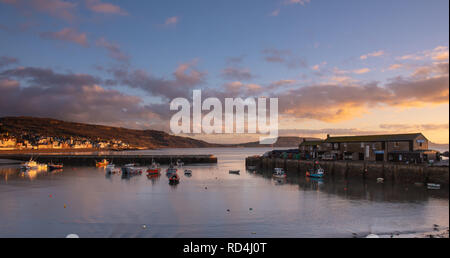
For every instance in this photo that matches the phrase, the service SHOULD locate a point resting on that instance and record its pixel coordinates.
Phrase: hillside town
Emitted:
(34, 142)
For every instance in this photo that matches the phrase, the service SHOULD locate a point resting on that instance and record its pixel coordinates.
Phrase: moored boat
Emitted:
(102, 164)
(154, 169)
(279, 173)
(33, 165)
(53, 166)
(171, 170)
(111, 169)
(131, 169)
(316, 172)
(188, 172)
(251, 168)
(174, 179)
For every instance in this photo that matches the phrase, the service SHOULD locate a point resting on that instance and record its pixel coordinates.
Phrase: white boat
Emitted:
(111, 169)
(171, 170)
(131, 169)
(180, 163)
(188, 172)
(431, 186)
(33, 165)
(279, 173)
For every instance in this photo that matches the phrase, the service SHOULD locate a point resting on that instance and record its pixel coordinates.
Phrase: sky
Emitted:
(337, 67)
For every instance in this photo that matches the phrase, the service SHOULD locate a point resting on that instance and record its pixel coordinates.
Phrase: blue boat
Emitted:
(317, 172)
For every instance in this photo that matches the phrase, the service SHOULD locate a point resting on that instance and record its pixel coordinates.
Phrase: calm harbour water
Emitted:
(84, 201)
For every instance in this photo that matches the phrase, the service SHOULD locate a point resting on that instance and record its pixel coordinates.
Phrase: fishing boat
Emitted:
(188, 172)
(171, 170)
(236, 172)
(251, 168)
(279, 173)
(174, 179)
(33, 165)
(53, 166)
(131, 169)
(111, 169)
(102, 164)
(154, 169)
(317, 172)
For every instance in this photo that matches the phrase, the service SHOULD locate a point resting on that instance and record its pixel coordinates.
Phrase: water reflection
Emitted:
(359, 188)
(117, 205)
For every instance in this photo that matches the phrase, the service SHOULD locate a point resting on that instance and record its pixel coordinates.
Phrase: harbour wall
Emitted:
(90, 160)
(401, 173)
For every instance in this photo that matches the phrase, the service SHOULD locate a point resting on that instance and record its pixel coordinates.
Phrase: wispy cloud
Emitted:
(113, 49)
(275, 12)
(301, 2)
(57, 8)
(172, 21)
(100, 7)
(285, 57)
(67, 34)
(234, 73)
(373, 54)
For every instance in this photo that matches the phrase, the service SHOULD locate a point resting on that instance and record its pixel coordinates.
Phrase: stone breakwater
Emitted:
(89, 160)
(401, 173)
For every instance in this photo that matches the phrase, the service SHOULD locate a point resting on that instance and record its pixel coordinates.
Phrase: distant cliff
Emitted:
(283, 141)
(47, 127)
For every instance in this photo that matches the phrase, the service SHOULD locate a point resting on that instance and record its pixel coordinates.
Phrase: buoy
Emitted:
(144, 226)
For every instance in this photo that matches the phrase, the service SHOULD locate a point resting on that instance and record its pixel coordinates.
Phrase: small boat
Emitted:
(317, 172)
(171, 170)
(174, 179)
(111, 169)
(279, 173)
(33, 165)
(131, 169)
(154, 169)
(180, 163)
(53, 166)
(236, 172)
(102, 164)
(380, 180)
(188, 172)
(431, 186)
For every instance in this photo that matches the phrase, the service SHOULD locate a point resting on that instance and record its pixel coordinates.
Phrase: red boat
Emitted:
(153, 171)
(174, 179)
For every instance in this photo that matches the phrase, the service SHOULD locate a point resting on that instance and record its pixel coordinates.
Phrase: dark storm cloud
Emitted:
(74, 97)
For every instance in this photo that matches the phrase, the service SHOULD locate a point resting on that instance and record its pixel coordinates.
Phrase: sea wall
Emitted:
(89, 160)
(401, 173)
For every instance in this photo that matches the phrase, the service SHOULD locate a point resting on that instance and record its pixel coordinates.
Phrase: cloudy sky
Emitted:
(339, 67)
